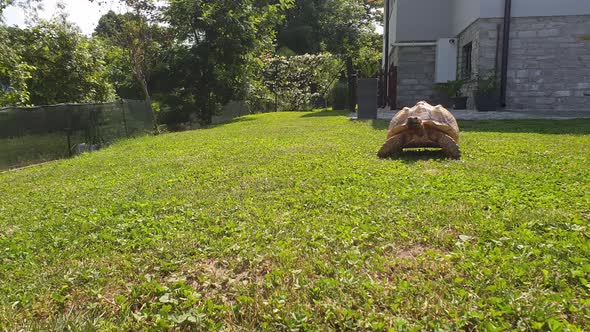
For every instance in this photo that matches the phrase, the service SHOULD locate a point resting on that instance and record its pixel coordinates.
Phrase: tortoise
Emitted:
(422, 126)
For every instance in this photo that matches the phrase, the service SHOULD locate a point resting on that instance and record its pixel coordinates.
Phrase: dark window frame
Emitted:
(467, 66)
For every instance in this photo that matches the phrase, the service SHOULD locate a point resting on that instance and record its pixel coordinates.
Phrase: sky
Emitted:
(83, 13)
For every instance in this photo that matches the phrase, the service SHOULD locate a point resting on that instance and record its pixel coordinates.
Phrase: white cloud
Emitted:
(83, 13)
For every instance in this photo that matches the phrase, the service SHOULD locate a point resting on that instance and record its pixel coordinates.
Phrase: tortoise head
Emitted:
(414, 123)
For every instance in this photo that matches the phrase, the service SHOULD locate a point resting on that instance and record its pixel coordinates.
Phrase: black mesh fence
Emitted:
(37, 134)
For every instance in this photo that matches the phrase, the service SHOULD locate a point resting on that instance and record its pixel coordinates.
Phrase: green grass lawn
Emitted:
(289, 221)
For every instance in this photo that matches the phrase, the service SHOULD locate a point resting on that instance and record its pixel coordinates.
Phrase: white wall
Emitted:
(423, 20)
(393, 23)
(527, 8)
(467, 11)
(495, 8)
(392, 26)
(428, 20)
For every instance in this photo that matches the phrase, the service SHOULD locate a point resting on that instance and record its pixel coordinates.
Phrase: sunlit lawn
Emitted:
(289, 221)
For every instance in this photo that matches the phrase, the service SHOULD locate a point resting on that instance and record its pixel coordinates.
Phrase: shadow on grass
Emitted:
(379, 124)
(227, 121)
(414, 155)
(325, 113)
(556, 127)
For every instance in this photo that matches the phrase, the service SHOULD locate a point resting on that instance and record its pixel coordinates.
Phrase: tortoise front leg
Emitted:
(392, 146)
(448, 145)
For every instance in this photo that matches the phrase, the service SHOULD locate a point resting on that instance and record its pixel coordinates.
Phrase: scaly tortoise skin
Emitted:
(422, 126)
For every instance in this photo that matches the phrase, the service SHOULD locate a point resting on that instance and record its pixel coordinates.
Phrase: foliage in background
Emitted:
(337, 26)
(451, 88)
(69, 66)
(194, 56)
(120, 72)
(31, 5)
(140, 38)
(14, 72)
(295, 83)
(53, 63)
(120, 68)
(217, 53)
(339, 95)
(368, 57)
(487, 83)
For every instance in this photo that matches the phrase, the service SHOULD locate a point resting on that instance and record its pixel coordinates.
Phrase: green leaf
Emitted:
(120, 299)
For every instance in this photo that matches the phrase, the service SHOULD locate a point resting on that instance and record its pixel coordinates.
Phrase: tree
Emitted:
(63, 66)
(14, 72)
(109, 25)
(120, 72)
(219, 44)
(141, 39)
(368, 56)
(299, 80)
(30, 5)
(301, 30)
(336, 26)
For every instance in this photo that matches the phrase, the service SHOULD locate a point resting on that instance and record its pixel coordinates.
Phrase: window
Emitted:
(467, 66)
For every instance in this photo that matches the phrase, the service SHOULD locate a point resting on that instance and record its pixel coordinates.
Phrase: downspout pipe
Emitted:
(386, 55)
(505, 50)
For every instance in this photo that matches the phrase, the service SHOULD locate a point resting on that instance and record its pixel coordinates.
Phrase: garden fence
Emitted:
(30, 135)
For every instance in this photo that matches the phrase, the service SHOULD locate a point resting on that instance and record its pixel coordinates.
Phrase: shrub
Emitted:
(295, 83)
(487, 84)
(450, 88)
(339, 95)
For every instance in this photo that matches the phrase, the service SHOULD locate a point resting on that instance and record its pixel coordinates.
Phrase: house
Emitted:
(539, 50)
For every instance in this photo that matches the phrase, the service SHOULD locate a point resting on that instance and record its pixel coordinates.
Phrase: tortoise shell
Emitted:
(435, 117)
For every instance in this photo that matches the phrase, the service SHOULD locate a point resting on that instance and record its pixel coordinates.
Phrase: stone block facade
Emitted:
(415, 73)
(548, 61)
(485, 39)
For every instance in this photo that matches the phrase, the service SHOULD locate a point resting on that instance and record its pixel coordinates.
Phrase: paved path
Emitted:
(501, 115)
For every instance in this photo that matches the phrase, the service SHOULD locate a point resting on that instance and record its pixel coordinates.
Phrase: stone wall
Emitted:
(415, 76)
(548, 69)
(549, 63)
(485, 36)
(469, 35)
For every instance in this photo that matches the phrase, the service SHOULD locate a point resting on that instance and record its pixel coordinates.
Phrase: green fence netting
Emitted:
(30, 135)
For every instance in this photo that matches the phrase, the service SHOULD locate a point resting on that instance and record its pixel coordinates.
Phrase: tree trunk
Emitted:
(148, 100)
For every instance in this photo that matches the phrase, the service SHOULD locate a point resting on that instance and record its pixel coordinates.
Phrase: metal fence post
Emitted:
(69, 130)
(124, 109)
